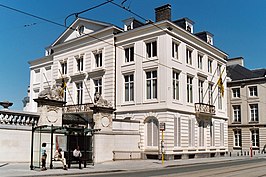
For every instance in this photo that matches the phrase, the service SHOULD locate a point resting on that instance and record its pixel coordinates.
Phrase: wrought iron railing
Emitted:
(204, 108)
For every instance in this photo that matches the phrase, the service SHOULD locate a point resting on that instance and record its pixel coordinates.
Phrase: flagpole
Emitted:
(46, 80)
(66, 87)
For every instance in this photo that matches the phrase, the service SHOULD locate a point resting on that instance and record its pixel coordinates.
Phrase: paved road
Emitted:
(238, 168)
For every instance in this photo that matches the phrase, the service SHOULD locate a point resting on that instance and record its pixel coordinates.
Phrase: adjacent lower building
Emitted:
(165, 82)
(246, 102)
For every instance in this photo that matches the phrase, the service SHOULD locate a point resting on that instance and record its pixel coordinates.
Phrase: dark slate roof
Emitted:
(238, 72)
(261, 72)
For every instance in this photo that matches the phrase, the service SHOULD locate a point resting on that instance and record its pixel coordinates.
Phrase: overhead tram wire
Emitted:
(91, 8)
(111, 1)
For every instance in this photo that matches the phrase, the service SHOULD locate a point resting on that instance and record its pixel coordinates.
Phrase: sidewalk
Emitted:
(23, 169)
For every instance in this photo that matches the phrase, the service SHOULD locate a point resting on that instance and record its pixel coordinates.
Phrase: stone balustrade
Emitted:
(18, 118)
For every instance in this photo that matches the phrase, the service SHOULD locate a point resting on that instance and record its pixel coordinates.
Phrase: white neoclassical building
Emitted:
(152, 73)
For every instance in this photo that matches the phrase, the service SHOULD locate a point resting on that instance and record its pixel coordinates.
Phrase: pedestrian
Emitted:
(44, 156)
(77, 156)
(59, 157)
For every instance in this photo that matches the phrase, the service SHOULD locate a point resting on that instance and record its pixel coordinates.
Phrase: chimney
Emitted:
(163, 13)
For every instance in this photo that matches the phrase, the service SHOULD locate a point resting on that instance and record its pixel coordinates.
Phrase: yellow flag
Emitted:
(63, 86)
(220, 85)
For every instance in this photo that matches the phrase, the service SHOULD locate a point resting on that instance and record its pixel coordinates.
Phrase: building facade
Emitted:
(152, 73)
(246, 128)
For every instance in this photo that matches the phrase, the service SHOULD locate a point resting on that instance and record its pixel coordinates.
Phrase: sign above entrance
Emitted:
(77, 108)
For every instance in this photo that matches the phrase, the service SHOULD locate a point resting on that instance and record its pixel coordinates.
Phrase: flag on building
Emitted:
(220, 85)
(63, 86)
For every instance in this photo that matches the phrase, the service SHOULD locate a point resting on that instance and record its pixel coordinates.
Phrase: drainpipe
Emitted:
(115, 78)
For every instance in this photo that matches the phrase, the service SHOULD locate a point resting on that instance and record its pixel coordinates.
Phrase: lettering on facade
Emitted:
(77, 108)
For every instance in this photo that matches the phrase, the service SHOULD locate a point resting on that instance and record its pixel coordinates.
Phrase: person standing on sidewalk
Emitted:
(44, 156)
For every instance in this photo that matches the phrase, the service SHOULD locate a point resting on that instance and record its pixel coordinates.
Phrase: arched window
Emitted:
(152, 132)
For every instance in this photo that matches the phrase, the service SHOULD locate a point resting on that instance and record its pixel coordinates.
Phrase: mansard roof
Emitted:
(237, 72)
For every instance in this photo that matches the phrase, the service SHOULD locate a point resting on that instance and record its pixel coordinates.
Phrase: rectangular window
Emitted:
(80, 64)
(200, 58)
(152, 133)
(191, 132)
(79, 86)
(151, 49)
(253, 91)
(212, 133)
(254, 113)
(189, 56)
(210, 93)
(255, 137)
(221, 134)
(175, 85)
(219, 69)
(209, 66)
(151, 84)
(200, 87)
(237, 114)
(236, 92)
(129, 54)
(237, 138)
(64, 67)
(220, 100)
(177, 132)
(98, 59)
(98, 86)
(175, 50)
(201, 134)
(129, 87)
(189, 89)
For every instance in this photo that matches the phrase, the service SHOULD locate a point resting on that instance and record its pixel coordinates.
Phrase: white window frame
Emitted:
(63, 66)
(177, 132)
(201, 139)
(236, 113)
(152, 132)
(200, 61)
(254, 133)
(254, 112)
(129, 54)
(253, 91)
(176, 85)
(236, 92)
(237, 138)
(175, 50)
(129, 87)
(189, 89)
(98, 59)
(189, 56)
(152, 49)
(210, 93)
(200, 90)
(80, 63)
(79, 92)
(221, 134)
(98, 87)
(210, 61)
(152, 85)
(220, 99)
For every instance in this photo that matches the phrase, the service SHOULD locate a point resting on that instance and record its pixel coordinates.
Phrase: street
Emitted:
(236, 168)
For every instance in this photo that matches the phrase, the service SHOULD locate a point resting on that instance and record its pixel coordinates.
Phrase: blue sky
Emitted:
(238, 26)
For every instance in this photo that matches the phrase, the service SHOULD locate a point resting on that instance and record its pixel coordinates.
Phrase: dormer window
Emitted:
(81, 29)
(189, 27)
